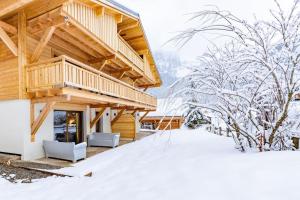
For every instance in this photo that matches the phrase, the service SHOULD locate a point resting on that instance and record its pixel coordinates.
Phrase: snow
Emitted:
(180, 164)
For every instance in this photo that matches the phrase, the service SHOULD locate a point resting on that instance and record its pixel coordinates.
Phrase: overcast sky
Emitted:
(163, 18)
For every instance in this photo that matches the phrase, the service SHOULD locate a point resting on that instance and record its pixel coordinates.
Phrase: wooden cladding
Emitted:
(9, 81)
(148, 71)
(125, 125)
(126, 50)
(66, 72)
(103, 26)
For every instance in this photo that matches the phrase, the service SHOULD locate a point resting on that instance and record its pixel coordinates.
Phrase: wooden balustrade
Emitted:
(64, 71)
(148, 71)
(126, 50)
(105, 28)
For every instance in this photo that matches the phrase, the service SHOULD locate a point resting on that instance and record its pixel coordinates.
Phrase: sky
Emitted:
(163, 19)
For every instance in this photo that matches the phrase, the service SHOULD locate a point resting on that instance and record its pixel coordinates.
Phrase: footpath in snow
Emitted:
(174, 165)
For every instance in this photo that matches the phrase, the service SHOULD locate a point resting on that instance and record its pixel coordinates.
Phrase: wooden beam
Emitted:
(133, 113)
(128, 26)
(31, 113)
(118, 107)
(72, 30)
(46, 20)
(93, 98)
(105, 62)
(145, 89)
(144, 51)
(100, 11)
(98, 60)
(121, 73)
(133, 39)
(120, 76)
(8, 28)
(146, 113)
(147, 85)
(102, 105)
(119, 18)
(136, 78)
(117, 117)
(40, 119)
(41, 45)
(62, 98)
(12, 5)
(76, 43)
(8, 42)
(59, 43)
(22, 52)
(97, 118)
(126, 69)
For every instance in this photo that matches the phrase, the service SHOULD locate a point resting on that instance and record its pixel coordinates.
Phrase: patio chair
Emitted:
(104, 140)
(65, 150)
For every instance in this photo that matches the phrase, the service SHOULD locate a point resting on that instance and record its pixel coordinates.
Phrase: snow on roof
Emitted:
(168, 107)
(122, 8)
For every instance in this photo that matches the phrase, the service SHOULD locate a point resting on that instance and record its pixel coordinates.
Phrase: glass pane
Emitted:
(72, 122)
(60, 118)
(67, 126)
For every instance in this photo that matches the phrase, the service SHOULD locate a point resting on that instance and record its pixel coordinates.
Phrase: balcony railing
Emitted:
(64, 71)
(126, 50)
(104, 27)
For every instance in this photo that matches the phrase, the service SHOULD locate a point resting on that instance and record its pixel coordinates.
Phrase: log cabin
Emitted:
(69, 68)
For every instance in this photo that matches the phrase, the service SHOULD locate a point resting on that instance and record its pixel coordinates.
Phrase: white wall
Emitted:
(93, 114)
(86, 123)
(137, 122)
(14, 125)
(106, 121)
(34, 150)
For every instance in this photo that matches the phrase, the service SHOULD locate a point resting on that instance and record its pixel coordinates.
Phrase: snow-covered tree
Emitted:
(253, 79)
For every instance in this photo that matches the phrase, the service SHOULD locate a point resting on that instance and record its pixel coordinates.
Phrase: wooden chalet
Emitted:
(71, 67)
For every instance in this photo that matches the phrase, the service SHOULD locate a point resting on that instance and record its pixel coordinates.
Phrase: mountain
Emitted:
(169, 66)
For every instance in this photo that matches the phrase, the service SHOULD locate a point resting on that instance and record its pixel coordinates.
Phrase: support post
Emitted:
(41, 45)
(97, 118)
(8, 42)
(37, 123)
(22, 52)
(146, 113)
(133, 113)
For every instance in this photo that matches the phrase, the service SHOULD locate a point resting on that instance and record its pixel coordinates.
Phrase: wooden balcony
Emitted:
(104, 28)
(64, 72)
(126, 50)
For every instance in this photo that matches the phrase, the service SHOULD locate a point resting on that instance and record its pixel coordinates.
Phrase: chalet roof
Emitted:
(114, 4)
(123, 8)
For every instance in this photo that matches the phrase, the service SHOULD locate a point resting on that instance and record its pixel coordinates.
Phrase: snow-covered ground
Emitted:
(174, 165)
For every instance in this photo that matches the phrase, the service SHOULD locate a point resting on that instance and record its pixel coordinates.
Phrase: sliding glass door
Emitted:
(68, 126)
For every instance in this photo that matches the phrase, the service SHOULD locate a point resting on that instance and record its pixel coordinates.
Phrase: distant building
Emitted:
(169, 115)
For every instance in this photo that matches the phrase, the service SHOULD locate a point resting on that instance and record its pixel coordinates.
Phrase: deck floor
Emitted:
(91, 151)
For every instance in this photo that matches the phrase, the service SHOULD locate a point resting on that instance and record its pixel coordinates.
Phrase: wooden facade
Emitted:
(76, 52)
(126, 126)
